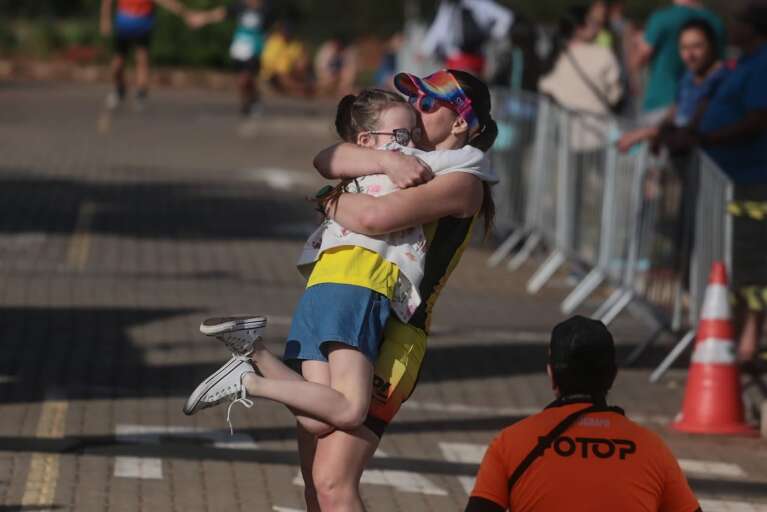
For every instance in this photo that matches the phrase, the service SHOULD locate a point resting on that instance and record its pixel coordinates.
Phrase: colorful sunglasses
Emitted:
(440, 89)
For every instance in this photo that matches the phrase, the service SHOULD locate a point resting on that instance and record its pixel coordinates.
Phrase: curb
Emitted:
(61, 70)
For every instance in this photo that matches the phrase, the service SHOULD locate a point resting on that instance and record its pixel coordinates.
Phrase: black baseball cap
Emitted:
(581, 344)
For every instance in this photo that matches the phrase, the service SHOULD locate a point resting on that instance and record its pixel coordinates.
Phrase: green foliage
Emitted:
(36, 38)
(8, 41)
(77, 32)
(173, 42)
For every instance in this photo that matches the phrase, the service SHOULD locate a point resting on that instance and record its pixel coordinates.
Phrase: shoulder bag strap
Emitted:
(586, 80)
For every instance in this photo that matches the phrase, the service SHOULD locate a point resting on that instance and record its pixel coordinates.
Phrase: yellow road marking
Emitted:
(79, 245)
(40, 489)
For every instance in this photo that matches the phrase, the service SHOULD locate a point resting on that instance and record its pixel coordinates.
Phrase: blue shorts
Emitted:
(131, 31)
(348, 314)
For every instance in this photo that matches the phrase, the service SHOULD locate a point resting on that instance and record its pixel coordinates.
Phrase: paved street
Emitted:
(119, 233)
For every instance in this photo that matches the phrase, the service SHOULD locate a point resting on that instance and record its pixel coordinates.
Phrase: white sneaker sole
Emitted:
(221, 325)
(194, 399)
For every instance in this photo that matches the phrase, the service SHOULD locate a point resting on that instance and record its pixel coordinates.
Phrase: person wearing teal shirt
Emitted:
(659, 49)
(253, 19)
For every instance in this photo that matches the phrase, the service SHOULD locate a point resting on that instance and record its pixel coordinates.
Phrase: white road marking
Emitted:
(470, 409)
(23, 241)
(284, 179)
(469, 453)
(465, 453)
(286, 509)
(151, 467)
(712, 468)
(404, 481)
(481, 410)
(731, 506)
(146, 468)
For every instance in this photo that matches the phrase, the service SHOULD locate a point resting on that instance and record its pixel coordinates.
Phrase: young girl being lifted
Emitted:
(355, 282)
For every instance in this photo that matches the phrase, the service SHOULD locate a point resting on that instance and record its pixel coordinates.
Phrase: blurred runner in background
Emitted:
(388, 66)
(336, 66)
(461, 29)
(253, 21)
(132, 26)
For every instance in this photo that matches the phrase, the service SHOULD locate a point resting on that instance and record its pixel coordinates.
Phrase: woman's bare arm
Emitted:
(457, 194)
(345, 160)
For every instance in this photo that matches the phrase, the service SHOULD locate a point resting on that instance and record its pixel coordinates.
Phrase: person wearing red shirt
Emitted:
(131, 27)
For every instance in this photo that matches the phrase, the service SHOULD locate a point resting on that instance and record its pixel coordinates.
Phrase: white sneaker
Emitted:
(238, 333)
(223, 384)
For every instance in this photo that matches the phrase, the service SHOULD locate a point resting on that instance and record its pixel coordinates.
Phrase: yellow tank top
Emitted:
(355, 266)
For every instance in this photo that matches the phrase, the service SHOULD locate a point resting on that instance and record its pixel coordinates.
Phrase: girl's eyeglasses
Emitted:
(402, 136)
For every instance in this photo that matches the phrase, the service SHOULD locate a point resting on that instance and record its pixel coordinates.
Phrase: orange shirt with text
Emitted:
(604, 461)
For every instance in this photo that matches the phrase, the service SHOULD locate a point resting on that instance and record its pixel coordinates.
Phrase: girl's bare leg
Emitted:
(344, 405)
(273, 368)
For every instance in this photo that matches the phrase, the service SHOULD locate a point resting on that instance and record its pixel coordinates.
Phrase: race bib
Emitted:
(243, 47)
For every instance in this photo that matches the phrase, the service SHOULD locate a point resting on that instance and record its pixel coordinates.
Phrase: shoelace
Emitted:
(239, 400)
(242, 347)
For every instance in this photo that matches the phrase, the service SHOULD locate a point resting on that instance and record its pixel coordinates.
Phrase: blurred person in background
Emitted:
(617, 35)
(658, 49)
(460, 30)
(598, 13)
(585, 76)
(336, 66)
(733, 131)
(388, 66)
(131, 27)
(253, 19)
(585, 79)
(519, 66)
(285, 61)
(705, 73)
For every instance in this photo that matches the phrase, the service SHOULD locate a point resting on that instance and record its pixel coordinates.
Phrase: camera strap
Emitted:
(546, 441)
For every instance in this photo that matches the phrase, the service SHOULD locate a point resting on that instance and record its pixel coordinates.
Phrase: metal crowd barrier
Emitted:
(711, 241)
(632, 220)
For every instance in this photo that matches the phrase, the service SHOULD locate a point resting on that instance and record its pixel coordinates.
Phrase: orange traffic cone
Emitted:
(712, 400)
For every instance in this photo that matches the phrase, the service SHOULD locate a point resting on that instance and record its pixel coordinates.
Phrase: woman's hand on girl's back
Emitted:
(405, 171)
